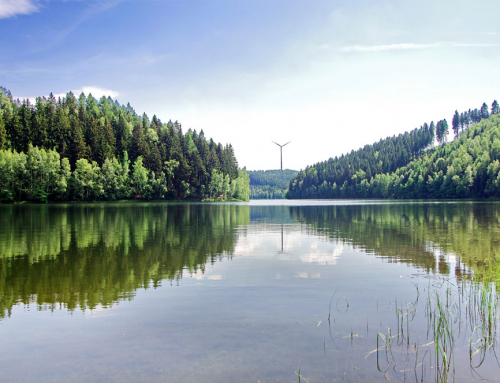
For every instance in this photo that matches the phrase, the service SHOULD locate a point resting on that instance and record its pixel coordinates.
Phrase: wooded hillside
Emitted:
(86, 149)
(408, 166)
(270, 184)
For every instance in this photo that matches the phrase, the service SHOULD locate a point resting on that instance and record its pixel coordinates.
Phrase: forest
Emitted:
(270, 184)
(83, 149)
(411, 166)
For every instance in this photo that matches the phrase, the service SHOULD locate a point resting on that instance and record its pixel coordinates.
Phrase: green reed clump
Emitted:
(454, 315)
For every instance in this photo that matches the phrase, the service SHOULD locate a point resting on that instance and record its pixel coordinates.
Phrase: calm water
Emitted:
(238, 292)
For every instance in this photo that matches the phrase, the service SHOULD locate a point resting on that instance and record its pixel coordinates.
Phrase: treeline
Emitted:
(270, 184)
(381, 170)
(96, 141)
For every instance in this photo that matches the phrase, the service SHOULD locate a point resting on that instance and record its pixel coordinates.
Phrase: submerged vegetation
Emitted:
(409, 166)
(449, 331)
(87, 149)
(434, 338)
(442, 324)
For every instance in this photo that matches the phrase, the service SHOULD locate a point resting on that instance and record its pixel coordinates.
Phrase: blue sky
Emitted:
(330, 76)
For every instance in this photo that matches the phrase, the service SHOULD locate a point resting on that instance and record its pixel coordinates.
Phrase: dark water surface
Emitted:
(157, 292)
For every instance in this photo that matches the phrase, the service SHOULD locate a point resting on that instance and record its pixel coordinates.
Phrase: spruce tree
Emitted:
(139, 144)
(456, 123)
(78, 147)
(495, 108)
(3, 133)
(25, 112)
(432, 129)
(484, 111)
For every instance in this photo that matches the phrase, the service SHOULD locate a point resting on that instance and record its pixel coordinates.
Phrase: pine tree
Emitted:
(484, 111)
(3, 133)
(25, 112)
(432, 129)
(139, 144)
(49, 111)
(14, 129)
(467, 119)
(495, 108)
(122, 135)
(456, 123)
(39, 132)
(109, 137)
(61, 130)
(78, 147)
(154, 162)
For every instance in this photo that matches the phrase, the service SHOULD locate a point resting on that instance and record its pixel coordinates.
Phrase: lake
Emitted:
(265, 291)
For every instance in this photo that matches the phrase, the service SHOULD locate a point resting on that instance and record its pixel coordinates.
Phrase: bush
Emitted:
(6, 196)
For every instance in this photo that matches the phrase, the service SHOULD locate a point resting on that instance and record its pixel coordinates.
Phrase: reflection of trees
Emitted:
(90, 254)
(408, 232)
(85, 255)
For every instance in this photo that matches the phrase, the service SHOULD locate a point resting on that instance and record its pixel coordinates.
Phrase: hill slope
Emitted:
(270, 184)
(464, 167)
(87, 149)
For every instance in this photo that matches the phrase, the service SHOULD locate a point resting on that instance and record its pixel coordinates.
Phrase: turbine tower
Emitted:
(281, 152)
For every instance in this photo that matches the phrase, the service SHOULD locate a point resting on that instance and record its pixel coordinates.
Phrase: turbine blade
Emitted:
(276, 143)
(287, 143)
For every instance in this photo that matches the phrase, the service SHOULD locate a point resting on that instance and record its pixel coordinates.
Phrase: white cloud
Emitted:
(9, 8)
(406, 46)
(388, 47)
(97, 92)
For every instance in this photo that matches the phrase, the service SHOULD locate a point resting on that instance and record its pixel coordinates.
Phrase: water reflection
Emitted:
(96, 254)
(89, 255)
(428, 236)
(262, 315)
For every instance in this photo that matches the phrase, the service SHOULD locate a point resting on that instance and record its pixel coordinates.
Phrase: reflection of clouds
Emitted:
(260, 243)
(215, 277)
(441, 254)
(307, 275)
(317, 256)
(297, 243)
(245, 246)
(199, 275)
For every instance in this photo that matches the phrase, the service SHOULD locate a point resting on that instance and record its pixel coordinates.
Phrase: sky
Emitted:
(329, 76)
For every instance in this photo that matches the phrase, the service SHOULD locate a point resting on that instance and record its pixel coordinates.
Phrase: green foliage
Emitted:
(103, 133)
(222, 188)
(87, 181)
(270, 184)
(464, 168)
(140, 178)
(6, 196)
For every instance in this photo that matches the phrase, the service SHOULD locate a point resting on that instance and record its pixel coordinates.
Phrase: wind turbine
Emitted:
(281, 152)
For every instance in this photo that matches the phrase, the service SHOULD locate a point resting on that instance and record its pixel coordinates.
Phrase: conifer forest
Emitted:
(270, 184)
(83, 149)
(413, 165)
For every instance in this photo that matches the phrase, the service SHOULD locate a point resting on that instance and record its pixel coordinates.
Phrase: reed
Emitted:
(454, 314)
